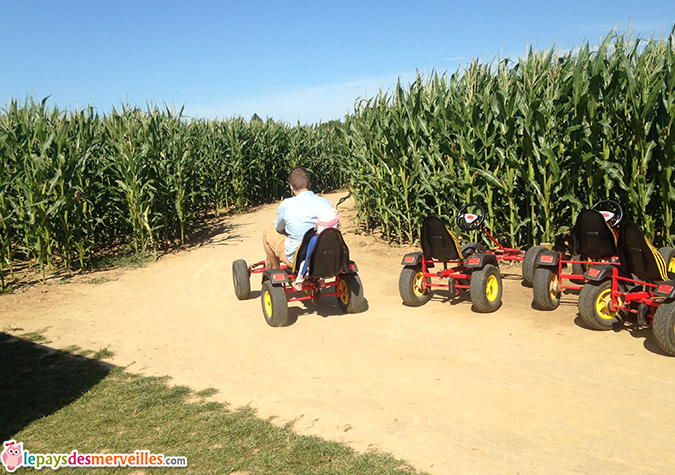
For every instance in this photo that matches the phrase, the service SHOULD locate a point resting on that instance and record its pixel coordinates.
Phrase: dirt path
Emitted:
(450, 390)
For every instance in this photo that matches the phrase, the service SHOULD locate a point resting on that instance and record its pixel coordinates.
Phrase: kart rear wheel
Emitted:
(578, 269)
(594, 306)
(664, 327)
(350, 290)
(668, 254)
(546, 289)
(242, 279)
(411, 286)
(274, 305)
(486, 289)
(530, 263)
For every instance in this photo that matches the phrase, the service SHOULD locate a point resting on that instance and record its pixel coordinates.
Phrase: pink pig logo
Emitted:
(11, 455)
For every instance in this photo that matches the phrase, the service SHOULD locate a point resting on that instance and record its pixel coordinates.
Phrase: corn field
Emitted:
(73, 184)
(533, 141)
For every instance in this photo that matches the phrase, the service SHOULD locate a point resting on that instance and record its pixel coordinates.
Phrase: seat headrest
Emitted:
(592, 236)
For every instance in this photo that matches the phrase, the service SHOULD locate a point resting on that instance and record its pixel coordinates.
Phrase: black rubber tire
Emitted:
(546, 297)
(578, 269)
(589, 295)
(242, 279)
(530, 263)
(483, 284)
(407, 281)
(668, 254)
(352, 300)
(274, 305)
(664, 327)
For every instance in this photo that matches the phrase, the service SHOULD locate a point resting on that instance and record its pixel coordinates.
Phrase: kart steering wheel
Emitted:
(470, 221)
(613, 216)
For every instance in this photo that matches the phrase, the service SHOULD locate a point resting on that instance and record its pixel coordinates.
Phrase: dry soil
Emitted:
(447, 389)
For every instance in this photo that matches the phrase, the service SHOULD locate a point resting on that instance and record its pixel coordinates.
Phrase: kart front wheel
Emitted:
(274, 305)
(546, 289)
(530, 263)
(350, 293)
(411, 286)
(595, 306)
(242, 281)
(486, 289)
(664, 327)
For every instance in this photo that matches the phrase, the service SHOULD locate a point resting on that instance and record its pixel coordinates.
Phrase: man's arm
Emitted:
(280, 221)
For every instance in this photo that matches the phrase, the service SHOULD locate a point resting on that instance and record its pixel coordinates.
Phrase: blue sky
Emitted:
(304, 61)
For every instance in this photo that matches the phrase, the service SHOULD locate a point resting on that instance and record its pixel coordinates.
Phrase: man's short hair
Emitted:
(299, 179)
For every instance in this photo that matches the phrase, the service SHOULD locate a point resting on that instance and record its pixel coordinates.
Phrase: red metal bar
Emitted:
(562, 276)
(643, 296)
(259, 267)
(436, 285)
(483, 230)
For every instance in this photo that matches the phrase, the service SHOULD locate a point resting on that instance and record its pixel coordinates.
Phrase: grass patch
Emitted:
(71, 349)
(208, 392)
(34, 336)
(130, 260)
(6, 290)
(120, 259)
(103, 353)
(56, 402)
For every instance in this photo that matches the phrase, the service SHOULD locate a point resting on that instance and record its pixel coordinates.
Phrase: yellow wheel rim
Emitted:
(553, 287)
(268, 303)
(671, 265)
(492, 288)
(343, 288)
(602, 305)
(418, 284)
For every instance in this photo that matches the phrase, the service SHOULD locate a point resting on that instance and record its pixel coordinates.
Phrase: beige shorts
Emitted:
(277, 242)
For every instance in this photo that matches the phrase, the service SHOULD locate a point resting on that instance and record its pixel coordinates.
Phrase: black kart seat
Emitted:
(330, 256)
(637, 256)
(438, 242)
(592, 236)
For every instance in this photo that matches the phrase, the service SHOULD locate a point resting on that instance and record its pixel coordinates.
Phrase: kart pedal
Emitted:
(451, 286)
(642, 312)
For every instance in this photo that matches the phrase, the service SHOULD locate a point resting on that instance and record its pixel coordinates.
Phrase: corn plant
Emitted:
(533, 140)
(73, 184)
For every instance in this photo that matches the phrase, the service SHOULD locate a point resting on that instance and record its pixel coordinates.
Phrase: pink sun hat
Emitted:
(328, 218)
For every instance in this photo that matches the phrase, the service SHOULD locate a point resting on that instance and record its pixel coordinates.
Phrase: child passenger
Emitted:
(328, 218)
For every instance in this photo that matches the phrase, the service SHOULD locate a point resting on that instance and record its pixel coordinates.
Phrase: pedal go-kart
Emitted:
(642, 284)
(463, 269)
(330, 272)
(470, 221)
(594, 241)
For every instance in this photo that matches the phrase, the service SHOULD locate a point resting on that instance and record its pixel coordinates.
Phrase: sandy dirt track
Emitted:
(447, 389)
